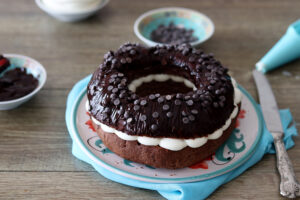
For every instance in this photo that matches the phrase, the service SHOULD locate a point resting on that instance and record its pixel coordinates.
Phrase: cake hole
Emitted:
(163, 84)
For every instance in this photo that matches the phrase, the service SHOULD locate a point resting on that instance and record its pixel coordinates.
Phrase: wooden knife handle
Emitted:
(289, 186)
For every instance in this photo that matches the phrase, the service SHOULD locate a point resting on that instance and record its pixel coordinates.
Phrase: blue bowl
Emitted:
(182, 17)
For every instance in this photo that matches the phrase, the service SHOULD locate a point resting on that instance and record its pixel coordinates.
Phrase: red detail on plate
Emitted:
(202, 164)
(90, 125)
(89, 114)
(240, 116)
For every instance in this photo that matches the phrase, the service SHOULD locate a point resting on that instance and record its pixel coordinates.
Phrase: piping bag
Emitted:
(285, 50)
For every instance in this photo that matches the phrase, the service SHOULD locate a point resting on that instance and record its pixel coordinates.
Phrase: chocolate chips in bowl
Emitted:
(172, 34)
(173, 25)
(21, 78)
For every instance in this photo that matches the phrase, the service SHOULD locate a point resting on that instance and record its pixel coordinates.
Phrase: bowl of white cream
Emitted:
(71, 10)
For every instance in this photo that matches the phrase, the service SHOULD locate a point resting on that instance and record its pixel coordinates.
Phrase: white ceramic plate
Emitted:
(238, 148)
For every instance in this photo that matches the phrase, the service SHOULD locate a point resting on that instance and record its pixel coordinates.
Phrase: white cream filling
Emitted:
(171, 143)
(160, 78)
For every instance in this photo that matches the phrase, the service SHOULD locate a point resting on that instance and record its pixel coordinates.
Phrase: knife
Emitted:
(289, 186)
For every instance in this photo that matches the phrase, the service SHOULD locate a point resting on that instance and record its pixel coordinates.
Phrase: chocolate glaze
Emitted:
(16, 83)
(181, 115)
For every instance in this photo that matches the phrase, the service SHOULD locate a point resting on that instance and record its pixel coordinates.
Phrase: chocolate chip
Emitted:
(185, 120)
(207, 74)
(107, 110)
(123, 60)
(210, 87)
(169, 114)
(209, 67)
(177, 102)
(212, 82)
(114, 61)
(160, 100)
(179, 96)
(114, 76)
(215, 104)
(109, 88)
(157, 95)
(190, 102)
(204, 56)
(168, 97)
(120, 112)
(194, 111)
(192, 59)
(136, 107)
(200, 92)
(154, 127)
(195, 96)
(123, 81)
(155, 115)
(128, 60)
(132, 52)
(143, 117)
(222, 98)
(136, 102)
(166, 107)
(200, 60)
(129, 120)
(186, 97)
(185, 52)
(152, 96)
(126, 114)
(122, 95)
(191, 118)
(133, 96)
(113, 96)
(116, 102)
(120, 86)
(115, 90)
(104, 116)
(221, 104)
(218, 91)
(143, 102)
(184, 113)
(120, 75)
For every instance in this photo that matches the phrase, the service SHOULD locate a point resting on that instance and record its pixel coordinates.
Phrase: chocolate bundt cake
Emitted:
(164, 106)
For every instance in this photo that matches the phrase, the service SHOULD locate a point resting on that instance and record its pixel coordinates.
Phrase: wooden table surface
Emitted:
(35, 148)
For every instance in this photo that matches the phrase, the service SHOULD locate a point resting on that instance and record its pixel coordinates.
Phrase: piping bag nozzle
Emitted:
(285, 50)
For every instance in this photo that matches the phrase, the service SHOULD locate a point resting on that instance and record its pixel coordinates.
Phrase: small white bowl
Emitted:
(33, 67)
(71, 16)
(190, 19)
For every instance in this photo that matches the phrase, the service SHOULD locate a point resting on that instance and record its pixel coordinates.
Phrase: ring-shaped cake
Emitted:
(158, 124)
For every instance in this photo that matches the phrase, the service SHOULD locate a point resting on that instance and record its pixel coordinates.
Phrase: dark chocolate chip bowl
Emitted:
(173, 26)
(21, 77)
(165, 106)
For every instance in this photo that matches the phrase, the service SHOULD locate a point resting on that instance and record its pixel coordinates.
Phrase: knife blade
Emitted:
(289, 186)
(268, 103)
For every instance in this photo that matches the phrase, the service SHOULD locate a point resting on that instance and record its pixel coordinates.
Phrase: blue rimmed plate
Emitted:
(237, 149)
